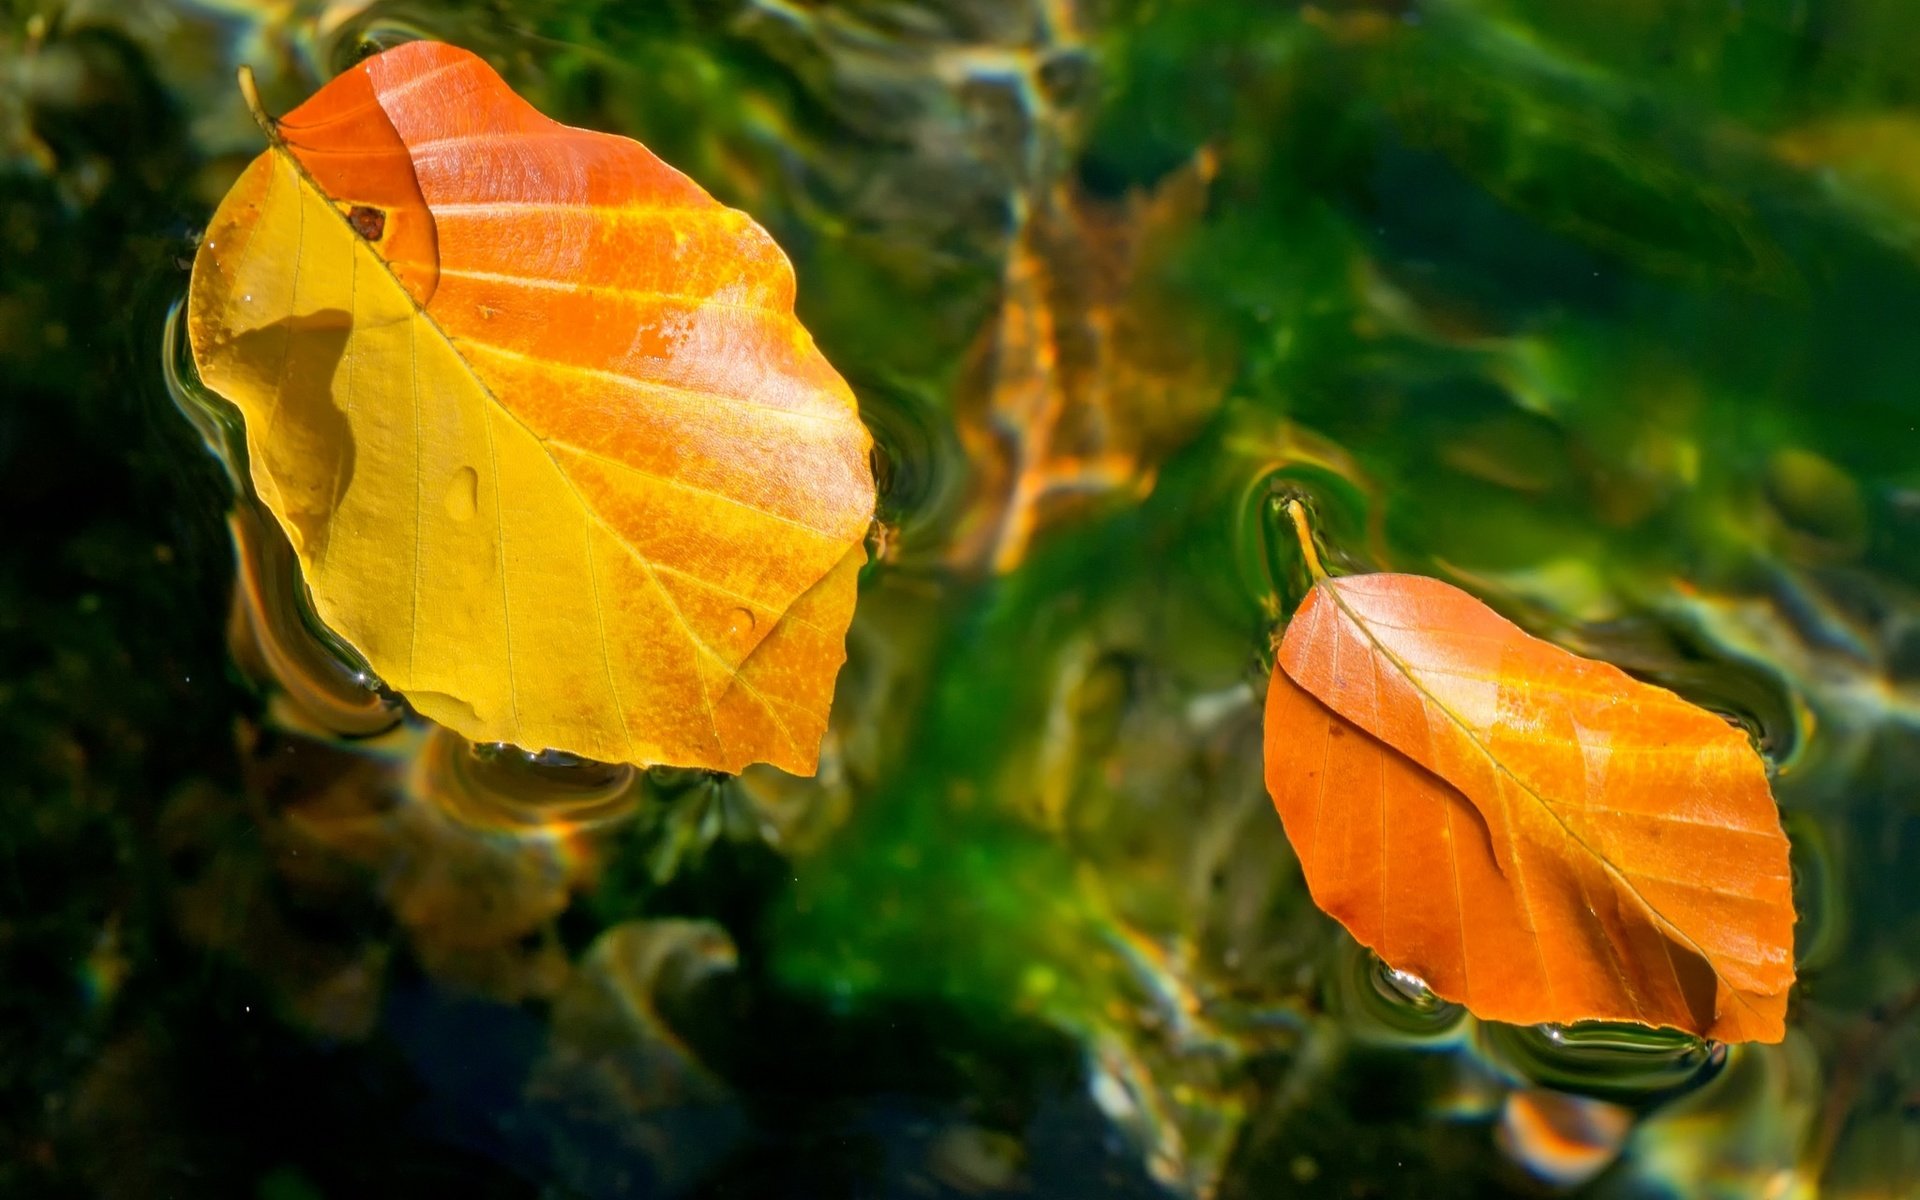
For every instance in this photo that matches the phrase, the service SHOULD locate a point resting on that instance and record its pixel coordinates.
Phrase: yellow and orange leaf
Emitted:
(1536, 835)
(555, 455)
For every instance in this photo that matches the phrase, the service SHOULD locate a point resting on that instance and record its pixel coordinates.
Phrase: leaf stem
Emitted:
(1297, 513)
(251, 94)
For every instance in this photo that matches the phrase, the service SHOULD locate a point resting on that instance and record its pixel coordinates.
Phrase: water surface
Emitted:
(1603, 311)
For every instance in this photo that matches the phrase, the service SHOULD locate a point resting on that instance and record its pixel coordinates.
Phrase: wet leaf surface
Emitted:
(1533, 834)
(556, 457)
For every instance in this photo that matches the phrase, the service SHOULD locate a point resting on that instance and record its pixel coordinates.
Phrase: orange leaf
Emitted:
(536, 414)
(1536, 835)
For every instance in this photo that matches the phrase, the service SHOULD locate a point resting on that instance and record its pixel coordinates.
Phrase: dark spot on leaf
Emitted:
(367, 221)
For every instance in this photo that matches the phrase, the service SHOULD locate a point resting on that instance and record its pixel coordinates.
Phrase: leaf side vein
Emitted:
(683, 485)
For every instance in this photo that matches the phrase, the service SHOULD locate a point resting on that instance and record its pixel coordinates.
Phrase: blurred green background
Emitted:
(1605, 310)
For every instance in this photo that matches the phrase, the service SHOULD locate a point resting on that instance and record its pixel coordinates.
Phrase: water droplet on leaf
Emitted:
(463, 494)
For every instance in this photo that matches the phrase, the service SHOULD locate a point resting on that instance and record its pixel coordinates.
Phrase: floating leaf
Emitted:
(555, 455)
(1536, 835)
